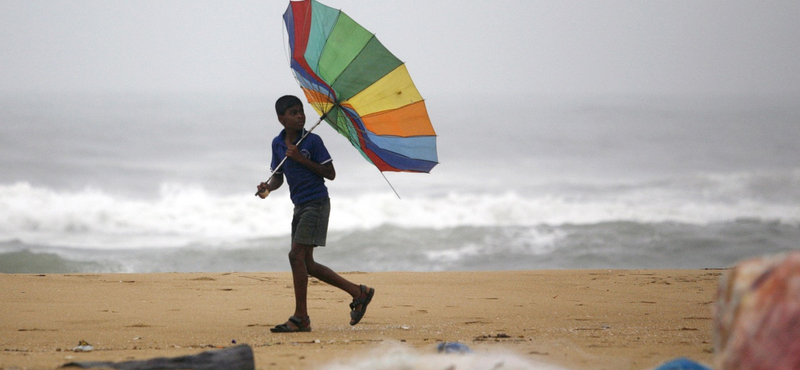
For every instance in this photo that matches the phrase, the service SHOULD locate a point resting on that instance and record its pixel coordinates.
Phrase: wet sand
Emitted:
(576, 319)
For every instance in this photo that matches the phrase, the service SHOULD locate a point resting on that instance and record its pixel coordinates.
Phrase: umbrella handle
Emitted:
(298, 143)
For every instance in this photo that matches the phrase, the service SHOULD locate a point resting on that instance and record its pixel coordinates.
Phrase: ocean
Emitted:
(93, 183)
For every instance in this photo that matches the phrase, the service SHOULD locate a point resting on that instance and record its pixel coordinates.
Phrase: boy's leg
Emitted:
(300, 320)
(310, 223)
(328, 276)
(297, 260)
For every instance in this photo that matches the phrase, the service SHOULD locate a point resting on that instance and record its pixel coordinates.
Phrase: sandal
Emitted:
(298, 323)
(356, 315)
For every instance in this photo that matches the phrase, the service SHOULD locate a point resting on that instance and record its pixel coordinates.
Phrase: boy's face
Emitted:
(294, 118)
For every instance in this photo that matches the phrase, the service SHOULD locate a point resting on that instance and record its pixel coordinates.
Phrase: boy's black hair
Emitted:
(285, 102)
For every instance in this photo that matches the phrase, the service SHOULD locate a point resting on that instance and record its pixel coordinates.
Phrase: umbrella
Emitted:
(360, 88)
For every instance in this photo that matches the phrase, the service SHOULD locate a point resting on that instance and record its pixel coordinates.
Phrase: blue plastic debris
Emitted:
(452, 347)
(682, 363)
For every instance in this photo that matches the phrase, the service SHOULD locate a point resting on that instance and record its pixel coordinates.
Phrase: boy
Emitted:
(307, 166)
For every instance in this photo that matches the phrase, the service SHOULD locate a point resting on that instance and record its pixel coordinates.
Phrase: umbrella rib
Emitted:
(390, 184)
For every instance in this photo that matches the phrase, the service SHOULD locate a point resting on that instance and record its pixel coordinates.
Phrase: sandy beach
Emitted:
(575, 319)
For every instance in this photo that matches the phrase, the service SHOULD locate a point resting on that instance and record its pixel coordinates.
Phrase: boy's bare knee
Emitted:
(296, 257)
(312, 268)
(300, 254)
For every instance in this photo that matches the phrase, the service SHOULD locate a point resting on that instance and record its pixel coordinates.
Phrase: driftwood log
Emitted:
(234, 358)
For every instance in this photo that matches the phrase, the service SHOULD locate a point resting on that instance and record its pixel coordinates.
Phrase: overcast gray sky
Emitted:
(463, 47)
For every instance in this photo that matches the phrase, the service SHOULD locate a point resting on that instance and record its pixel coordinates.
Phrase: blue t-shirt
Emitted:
(304, 184)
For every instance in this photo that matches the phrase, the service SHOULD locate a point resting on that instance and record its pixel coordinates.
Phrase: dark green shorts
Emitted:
(310, 222)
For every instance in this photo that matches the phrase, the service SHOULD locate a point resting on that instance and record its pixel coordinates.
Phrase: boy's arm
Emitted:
(324, 170)
(273, 183)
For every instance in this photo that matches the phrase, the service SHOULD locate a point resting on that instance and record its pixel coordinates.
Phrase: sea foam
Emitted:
(396, 357)
(182, 214)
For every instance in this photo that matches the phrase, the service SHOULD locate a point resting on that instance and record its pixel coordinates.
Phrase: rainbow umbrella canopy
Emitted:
(360, 88)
